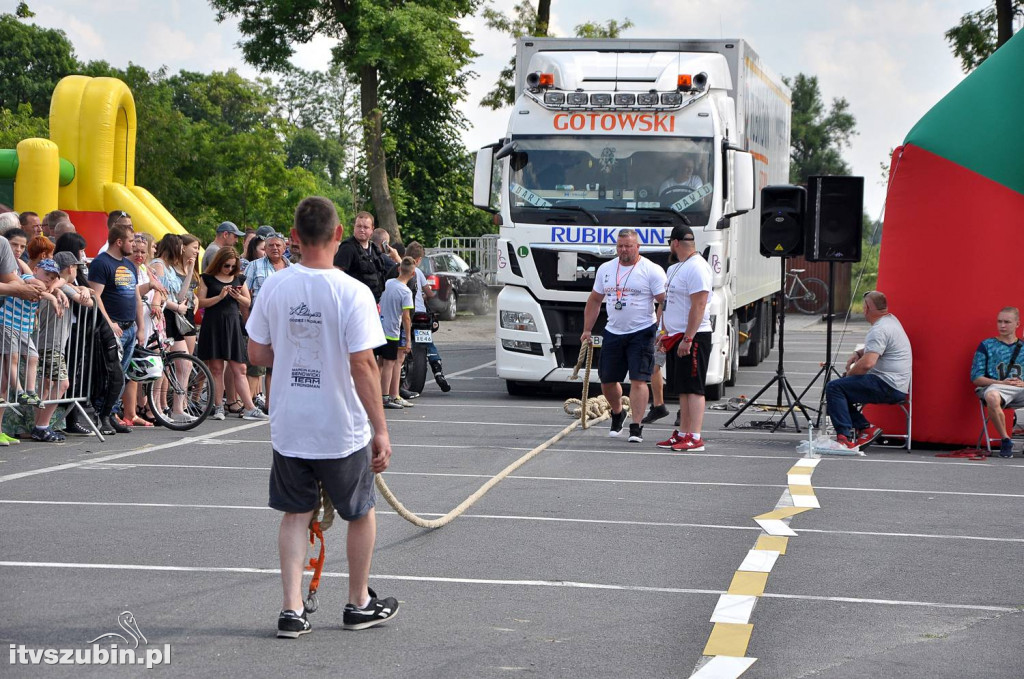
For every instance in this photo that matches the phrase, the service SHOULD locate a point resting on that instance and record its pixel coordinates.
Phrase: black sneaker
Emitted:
(636, 433)
(655, 414)
(442, 382)
(617, 420)
(407, 394)
(291, 625)
(77, 428)
(376, 612)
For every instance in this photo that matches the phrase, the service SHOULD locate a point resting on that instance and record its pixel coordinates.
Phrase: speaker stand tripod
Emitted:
(827, 369)
(784, 387)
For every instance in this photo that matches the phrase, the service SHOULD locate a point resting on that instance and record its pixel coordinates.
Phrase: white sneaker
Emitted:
(182, 418)
(255, 414)
(218, 413)
(405, 404)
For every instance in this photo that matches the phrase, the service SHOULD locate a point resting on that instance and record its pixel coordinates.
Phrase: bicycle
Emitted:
(813, 293)
(195, 389)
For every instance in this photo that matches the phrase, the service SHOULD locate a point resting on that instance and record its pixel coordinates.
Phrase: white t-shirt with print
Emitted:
(635, 287)
(685, 279)
(421, 282)
(314, 319)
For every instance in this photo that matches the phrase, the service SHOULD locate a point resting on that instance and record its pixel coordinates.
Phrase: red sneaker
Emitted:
(689, 445)
(868, 436)
(842, 440)
(673, 440)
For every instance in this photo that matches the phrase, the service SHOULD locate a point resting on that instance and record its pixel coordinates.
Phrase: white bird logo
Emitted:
(125, 621)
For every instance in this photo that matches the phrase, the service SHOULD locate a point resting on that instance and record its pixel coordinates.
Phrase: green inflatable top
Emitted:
(978, 125)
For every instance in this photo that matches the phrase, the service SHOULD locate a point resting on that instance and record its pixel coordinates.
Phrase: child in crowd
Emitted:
(396, 304)
(19, 321)
(54, 331)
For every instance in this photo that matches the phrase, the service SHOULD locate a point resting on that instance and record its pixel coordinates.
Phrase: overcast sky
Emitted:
(888, 58)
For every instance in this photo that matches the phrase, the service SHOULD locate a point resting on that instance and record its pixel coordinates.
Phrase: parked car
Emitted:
(457, 285)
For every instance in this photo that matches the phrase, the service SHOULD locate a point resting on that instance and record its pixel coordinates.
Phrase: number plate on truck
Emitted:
(422, 336)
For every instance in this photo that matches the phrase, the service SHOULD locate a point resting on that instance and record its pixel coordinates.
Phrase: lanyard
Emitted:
(620, 289)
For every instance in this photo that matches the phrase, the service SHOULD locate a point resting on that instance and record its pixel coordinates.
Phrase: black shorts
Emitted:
(347, 480)
(686, 374)
(633, 353)
(389, 351)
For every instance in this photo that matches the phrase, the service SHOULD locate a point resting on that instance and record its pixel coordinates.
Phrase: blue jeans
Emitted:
(844, 393)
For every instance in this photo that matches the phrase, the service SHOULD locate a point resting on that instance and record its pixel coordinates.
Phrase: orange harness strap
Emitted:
(316, 565)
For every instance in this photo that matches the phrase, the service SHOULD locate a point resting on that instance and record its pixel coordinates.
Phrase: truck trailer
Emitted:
(607, 134)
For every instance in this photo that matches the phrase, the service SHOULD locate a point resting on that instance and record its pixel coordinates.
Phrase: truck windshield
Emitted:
(621, 180)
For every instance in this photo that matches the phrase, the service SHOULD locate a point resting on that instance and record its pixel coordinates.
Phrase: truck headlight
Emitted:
(518, 320)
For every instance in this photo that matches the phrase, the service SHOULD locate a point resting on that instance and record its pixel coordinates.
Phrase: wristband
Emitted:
(687, 339)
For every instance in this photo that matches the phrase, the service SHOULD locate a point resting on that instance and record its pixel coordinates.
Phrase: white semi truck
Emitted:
(607, 134)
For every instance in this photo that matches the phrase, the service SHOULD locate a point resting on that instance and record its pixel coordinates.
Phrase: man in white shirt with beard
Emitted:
(629, 285)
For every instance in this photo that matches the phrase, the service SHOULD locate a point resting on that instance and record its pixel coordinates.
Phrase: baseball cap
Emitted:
(48, 265)
(264, 232)
(681, 232)
(229, 227)
(65, 259)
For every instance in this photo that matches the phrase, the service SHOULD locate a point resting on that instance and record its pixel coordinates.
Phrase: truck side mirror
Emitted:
(483, 185)
(741, 181)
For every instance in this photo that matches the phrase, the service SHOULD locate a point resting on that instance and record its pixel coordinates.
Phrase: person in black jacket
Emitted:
(360, 258)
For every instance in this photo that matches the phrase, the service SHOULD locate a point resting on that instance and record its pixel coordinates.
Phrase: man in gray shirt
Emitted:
(227, 236)
(878, 373)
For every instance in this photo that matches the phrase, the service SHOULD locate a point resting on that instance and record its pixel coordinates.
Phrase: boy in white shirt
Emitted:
(396, 304)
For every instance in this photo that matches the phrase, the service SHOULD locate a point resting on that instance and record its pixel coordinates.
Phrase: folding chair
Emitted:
(907, 406)
(986, 420)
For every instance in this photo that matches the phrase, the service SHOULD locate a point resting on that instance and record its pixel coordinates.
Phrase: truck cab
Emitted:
(605, 135)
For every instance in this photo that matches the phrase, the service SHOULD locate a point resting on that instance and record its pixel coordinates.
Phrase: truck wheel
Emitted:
(516, 388)
(451, 307)
(417, 373)
(714, 392)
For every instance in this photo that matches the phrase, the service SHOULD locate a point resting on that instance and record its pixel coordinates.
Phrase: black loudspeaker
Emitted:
(835, 209)
(782, 220)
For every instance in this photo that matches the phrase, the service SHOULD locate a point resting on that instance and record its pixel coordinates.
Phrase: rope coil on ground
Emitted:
(597, 406)
(594, 410)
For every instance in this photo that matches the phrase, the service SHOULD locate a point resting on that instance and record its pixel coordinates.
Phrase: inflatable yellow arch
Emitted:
(87, 167)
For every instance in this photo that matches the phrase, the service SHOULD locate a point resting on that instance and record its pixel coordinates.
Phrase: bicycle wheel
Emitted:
(815, 299)
(185, 379)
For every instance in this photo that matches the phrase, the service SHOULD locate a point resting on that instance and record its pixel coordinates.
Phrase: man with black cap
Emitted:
(629, 285)
(227, 236)
(686, 338)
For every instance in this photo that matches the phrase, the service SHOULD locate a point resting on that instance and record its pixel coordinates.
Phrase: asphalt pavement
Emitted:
(598, 558)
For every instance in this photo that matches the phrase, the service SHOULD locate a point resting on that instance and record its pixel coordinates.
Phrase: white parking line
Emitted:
(473, 369)
(138, 451)
(548, 519)
(504, 583)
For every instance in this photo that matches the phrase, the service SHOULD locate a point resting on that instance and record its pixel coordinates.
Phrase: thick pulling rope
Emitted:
(594, 410)
(597, 406)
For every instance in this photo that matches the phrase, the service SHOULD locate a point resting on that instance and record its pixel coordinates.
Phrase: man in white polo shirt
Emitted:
(318, 328)
(629, 285)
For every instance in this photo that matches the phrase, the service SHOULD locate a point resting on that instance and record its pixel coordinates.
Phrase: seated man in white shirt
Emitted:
(681, 176)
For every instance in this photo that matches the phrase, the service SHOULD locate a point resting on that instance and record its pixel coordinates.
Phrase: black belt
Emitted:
(124, 325)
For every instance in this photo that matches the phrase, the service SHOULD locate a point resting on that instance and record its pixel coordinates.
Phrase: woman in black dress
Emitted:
(221, 340)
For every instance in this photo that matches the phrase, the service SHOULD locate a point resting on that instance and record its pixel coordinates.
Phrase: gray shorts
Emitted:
(1013, 397)
(347, 480)
(17, 342)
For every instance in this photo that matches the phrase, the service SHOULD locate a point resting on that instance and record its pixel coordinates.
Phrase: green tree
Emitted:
(526, 21)
(981, 33)
(817, 136)
(379, 42)
(21, 124)
(32, 61)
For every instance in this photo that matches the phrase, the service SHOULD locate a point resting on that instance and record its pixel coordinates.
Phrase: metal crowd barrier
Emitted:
(35, 364)
(478, 251)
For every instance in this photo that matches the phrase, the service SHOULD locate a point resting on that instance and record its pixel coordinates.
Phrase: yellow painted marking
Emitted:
(772, 543)
(801, 470)
(750, 584)
(800, 490)
(783, 513)
(729, 638)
